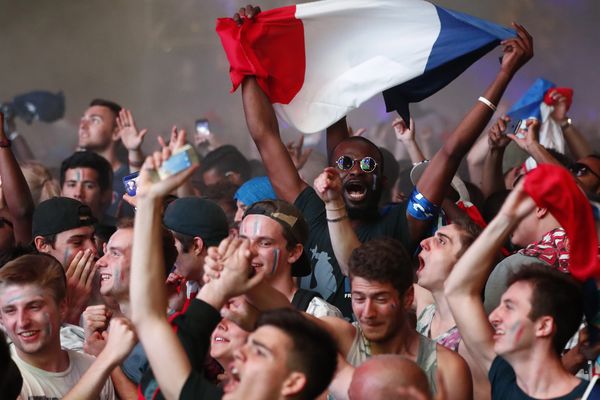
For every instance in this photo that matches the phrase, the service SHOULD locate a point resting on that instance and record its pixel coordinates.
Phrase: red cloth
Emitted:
(276, 59)
(553, 187)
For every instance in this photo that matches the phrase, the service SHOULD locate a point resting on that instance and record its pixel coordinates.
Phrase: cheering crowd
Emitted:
(242, 279)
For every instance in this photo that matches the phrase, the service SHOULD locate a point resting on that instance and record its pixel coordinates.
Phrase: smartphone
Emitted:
(592, 392)
(202, 127)
(130, 183)
(179, 161)
(513, 126)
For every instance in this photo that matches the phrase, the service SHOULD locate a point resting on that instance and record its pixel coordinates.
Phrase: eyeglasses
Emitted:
(579, 170)
(367, 164)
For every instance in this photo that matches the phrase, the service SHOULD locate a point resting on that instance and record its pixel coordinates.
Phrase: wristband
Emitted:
(343, 217)
(335, 209)
(420, 208)
(487, 103)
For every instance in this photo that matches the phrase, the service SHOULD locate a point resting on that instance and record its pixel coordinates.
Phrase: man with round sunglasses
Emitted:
(587, 172)
(360, 165)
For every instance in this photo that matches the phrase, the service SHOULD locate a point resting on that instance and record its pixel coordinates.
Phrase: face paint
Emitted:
(256, 227)
(374, 182)
(48, 326)
(66, 256)
(517, 332)
(275, 260)
(78, 175)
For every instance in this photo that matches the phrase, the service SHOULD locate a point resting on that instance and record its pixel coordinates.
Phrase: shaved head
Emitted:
(380, 377)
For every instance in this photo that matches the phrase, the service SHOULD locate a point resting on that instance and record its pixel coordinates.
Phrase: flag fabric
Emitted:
(537, 103)
(318, 61)
(554, 188)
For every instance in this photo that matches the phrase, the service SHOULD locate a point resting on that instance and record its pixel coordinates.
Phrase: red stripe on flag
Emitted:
(269, 46)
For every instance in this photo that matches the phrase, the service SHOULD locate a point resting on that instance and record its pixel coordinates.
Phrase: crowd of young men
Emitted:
(305, 291)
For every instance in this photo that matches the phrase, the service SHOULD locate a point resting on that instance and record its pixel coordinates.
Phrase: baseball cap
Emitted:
(194, 216)
(60, 214)
(294, 227)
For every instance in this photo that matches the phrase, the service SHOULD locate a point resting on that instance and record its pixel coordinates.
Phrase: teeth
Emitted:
(220, 339)
(235, 373)
(104, 277)
(27, 334)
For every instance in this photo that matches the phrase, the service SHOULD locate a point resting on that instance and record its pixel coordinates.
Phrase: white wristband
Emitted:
(487, 103)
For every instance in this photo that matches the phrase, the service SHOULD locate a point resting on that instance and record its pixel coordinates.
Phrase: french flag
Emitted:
(318, 61)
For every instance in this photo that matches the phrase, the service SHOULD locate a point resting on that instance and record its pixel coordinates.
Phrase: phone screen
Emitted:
(202, 127)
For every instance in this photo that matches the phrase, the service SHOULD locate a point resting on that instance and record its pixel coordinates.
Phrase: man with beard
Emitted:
(361, 166)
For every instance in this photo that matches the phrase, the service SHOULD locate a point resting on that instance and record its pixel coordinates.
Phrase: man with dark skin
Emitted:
(360, 165)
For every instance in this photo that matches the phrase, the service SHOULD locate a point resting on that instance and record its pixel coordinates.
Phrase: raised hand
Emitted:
(561, 106)
(149, 186)
(242, 313)
(496, 138)
(298, 153)
(526, 138)
(177, 140)
(244, 13)
(404, 133)
(518, 204)
(328, 186)
(80, 276)
(517, 50)
(120, 339)
(130, 136)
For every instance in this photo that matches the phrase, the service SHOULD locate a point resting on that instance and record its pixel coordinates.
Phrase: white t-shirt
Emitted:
(43, 385)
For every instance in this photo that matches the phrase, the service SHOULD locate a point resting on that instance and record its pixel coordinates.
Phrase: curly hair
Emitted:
(383, 260)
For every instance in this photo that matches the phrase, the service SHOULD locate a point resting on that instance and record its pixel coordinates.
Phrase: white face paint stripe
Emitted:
(275, 261)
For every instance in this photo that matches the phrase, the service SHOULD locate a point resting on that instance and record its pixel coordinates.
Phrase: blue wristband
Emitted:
(420, 208)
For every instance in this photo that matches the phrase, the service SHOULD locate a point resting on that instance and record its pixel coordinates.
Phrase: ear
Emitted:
(544, 326)
(116, 133)
(234, 177)
(541, 212)
(198, 245)
(293, 384)
(41, 245)
(295, 253)
(408, 298)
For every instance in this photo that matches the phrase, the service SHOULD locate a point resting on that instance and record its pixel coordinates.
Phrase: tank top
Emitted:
(449, 339)
(360, 351)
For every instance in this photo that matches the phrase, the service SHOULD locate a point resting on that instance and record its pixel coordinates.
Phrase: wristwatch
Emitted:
(566, 123)
(5, 142)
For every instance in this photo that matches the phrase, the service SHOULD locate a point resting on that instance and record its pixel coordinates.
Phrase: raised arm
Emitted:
(493, 180)
(148, 312)
(444, 164)
(328, 186)
(578, 145)
(528, 141)
(466, 281)
(132, 139)
(121, 340)
(406, 135)
(263, 127)
(16, 192)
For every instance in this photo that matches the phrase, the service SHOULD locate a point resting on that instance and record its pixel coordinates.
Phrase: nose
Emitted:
(23, 319)
(369, 309)
(83, 122)
(425, 243)
(494, 317)
(90, 245)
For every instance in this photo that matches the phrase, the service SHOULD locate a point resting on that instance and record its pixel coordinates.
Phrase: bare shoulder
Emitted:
(342, 331)
(455, 370)
(448, 359)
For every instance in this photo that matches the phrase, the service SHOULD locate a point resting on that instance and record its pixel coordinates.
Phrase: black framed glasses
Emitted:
(579, 169)
(367, 164)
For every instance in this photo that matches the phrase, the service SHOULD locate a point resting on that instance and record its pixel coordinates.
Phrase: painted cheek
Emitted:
(275, 260)
(47, 324)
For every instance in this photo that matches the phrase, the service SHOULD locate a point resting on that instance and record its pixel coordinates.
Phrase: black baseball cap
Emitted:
(194, 216)
(294, 226)
(60, 214)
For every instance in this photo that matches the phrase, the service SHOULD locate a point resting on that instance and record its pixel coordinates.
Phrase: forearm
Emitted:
(342, 235)
(16, 192)
(135, 158)
(147, 291)
(470, 273)
(414, 151)
(578, 145)
(445, 162)
(124, 388)
(493, 180)
(335, 134)
(91, 383)
(21, 149)
(260, 115)
(540, 154)
(265, 297)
